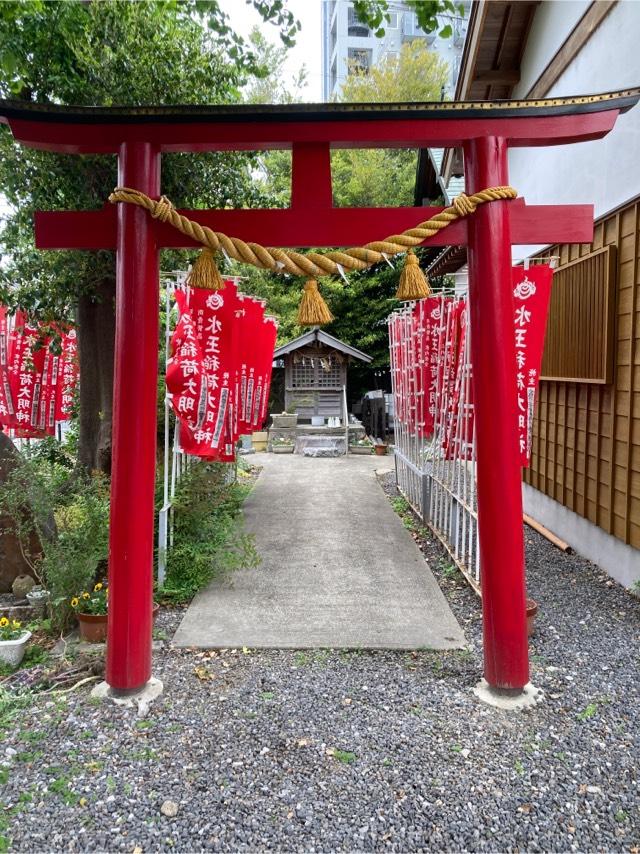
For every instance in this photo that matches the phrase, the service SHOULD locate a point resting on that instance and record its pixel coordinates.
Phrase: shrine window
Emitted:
(580, 329)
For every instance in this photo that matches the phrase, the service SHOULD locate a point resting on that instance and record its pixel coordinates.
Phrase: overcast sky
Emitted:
(308, 49)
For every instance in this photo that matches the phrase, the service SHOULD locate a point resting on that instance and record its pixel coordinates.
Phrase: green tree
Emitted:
(380, 177)
(361, 178)
(272, 87)
(104, 53)
(375, 13)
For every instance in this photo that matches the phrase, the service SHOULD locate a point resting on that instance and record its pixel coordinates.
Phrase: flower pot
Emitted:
(12, 651)
(532, 610)
(93, 627)
(381, 450)
(284, 421)
(38, 598)
(364, 450)
(282, 449)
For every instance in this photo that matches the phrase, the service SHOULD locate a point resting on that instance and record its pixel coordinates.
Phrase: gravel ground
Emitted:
(329, 750)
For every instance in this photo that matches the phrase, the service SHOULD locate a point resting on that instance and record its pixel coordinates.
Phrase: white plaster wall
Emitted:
(605, 172)
(552, 23)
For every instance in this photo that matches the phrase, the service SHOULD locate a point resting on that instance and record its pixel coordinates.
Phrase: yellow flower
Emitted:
(16, 624)
(86, 596)
(4, 622)
(97, 587)
(75, 602)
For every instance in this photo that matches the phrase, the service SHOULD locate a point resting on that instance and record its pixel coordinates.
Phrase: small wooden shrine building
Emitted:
(315, 373)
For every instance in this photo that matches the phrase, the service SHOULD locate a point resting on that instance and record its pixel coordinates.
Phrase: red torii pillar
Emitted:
(139, 135)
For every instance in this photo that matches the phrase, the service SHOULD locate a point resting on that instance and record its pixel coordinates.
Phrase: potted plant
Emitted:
(363, 446)
(91, 611)
(13, 641)
(282, 445)
(380, 449)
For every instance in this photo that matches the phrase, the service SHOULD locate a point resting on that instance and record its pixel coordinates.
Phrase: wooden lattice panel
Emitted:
(580, 330)
(586, 437)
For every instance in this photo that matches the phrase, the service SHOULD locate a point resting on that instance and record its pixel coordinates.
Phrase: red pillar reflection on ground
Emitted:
(499, 479)
(134, 428)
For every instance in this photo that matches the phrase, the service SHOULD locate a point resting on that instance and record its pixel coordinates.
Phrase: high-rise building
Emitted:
(348, 46)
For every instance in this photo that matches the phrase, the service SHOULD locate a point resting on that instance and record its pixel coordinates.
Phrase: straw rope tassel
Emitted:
(313, 310)
(413, 283)
(205, 273)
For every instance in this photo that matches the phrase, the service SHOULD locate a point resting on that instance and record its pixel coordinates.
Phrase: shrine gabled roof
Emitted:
(323, 338)
(187, 114)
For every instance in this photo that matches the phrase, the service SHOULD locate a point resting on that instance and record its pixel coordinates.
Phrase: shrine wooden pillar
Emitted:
(134, 428)
(498, 472)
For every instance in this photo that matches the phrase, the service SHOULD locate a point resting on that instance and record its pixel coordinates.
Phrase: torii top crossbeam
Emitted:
(310, 131)
(486, 130)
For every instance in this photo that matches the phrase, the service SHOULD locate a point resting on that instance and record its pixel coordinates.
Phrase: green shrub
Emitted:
(207, 538)
(68, 516)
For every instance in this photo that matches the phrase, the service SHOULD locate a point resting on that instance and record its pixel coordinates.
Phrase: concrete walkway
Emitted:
(338, 568)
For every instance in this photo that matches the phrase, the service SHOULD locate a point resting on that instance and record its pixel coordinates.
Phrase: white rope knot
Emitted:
(463, 205)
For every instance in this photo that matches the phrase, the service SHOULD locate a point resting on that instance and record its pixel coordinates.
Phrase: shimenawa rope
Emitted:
(313, 264)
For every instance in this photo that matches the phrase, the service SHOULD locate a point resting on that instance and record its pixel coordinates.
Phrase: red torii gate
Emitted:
(486, 130)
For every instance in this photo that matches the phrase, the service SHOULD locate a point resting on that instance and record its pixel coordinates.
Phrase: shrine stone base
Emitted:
(529, 696)
(141, 699)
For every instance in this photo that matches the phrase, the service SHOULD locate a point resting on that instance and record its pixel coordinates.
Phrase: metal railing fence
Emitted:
(435, 456)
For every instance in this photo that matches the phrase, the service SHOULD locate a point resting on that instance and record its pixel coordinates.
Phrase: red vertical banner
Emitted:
(271, 334)
(7, 409)
(396, 361)
(417, 332)
(459, 444)
(67, 377)
(434, 327)
(49, 385)
(448, 347)
(25, 365)
(201, 371)
(251, 325)
(186, 376)
(267, 339)
(531, 295)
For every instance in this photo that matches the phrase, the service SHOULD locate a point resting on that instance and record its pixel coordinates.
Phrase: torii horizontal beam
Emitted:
(319, 227)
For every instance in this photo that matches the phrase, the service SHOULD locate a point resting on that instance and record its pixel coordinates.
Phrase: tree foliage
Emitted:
(375, 13)
(361, 178)
(415, 74)
(105, 53)
(381, 177)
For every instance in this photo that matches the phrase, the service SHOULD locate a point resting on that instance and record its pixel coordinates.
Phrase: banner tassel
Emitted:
(205, 273)
(413, 283)
(313, 310)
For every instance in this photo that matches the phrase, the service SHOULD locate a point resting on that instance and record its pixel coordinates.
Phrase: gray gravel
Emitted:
(327, 751)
